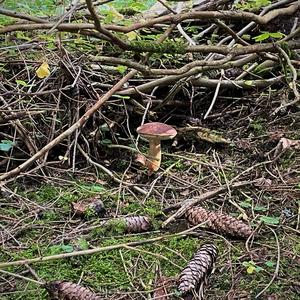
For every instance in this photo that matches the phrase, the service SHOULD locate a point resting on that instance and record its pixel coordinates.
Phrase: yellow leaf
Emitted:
(43, 70)
(250, 269)
(131, 35)
(116, 15)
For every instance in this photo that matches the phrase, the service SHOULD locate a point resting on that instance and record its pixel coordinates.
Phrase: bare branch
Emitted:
(148, 71)
(14, 14)
(102, 30)
(69, 131)
(173, 19)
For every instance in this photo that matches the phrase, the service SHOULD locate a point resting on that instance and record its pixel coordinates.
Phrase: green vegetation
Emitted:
(113, 270)
(258, 126)
(251, 4)
(239, 140)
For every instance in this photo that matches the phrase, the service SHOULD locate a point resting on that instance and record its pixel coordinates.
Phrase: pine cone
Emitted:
(197, 271)
(137, 224)
(219, 222)
(64, 290)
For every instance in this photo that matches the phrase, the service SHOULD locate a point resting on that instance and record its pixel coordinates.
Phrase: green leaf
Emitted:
(247, 263)
(21, 82)
(97, 188)
(121, 69)
(277, 35)
(258, 269)
(106, 142)
(6, 145)
(269, 263)
(55, 249)
(246, 37)
(248, 82)
(250, 269)
(245, 204)
(83, 244)
(67, 248)
(251, 4)
(270, 220)
(260, 208)
(262, 37)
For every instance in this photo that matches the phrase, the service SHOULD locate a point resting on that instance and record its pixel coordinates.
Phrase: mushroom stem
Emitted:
(154, 156)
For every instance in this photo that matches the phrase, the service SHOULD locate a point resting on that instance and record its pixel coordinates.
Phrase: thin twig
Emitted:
(110, 173)
(276, 272)
(215, 97)
(191, 202)
(94, 250)
(69, 131)
(22, 277)
(293, 83)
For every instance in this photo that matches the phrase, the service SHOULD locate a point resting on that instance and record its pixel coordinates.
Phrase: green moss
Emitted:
(177, 164)
(115, 226)
(168, 46)
(288, 159)
(258, 126)
(117, 270)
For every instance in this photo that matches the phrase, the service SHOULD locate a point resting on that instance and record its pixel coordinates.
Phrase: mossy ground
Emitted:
(48, 231)
(39, 220)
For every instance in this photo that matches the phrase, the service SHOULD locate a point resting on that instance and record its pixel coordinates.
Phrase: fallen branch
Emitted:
(148, 71)
(191, 202)
(110, 174)
(173, 19)
(14, 14)
(69, 131)
(101, 29)
(211, 83)
(95, 250)
(19, 115)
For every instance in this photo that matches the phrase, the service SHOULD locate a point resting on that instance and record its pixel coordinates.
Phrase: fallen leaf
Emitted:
(131, 35)
(92, 206)
(212, 137)
(270, 220)
(251, 269)
(276, 135)
(263, 182)
(202, 133)
(287, 143)
(43, 70)
(244, 144)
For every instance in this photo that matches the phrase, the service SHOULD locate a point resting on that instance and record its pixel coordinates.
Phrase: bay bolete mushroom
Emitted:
(155, 132)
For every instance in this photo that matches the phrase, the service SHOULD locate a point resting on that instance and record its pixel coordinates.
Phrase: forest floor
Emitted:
(245, 138)
(37, 219)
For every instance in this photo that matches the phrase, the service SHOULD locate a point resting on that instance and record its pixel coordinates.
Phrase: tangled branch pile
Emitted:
(178, 60)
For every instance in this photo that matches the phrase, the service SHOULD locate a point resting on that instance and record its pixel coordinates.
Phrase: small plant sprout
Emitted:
(155, 132)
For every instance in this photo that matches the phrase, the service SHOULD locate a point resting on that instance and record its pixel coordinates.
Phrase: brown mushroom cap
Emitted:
(156, 130)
